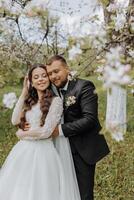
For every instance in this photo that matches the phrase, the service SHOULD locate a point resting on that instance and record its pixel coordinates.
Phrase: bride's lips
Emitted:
(41, 84)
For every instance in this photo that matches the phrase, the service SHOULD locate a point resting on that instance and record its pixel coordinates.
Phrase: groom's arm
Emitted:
(89, 109)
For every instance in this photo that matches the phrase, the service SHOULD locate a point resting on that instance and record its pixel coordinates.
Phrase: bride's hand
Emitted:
(21, 134)
(25, 86)
(55, 132)
(26, 126)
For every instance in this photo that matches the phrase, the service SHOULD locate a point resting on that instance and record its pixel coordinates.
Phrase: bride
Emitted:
(33, 169)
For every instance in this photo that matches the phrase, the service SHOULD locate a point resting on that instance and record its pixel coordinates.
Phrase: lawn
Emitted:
(114, 174)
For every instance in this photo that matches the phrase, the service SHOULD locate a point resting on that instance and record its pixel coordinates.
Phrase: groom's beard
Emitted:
(61, 84)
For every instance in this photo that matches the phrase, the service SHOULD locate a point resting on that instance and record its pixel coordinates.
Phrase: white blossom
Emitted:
(132, 86)
(34, 4)
(71, 24)
(132, 91)
(113, 55)
(120, 21)
(132, 26)
(114, 71)
(12, 6)
(112, 7)
(16, 9)
(72, 75)
(9, 100)
(75, 27)
(75, 50)
(114, 76)
(6, 4)
(131, 53)
(98, 42)
(100, 78)
(85, 29)
(119, 10)
(117, 6)
(98, 35)
(97, 28)
(100, 69)
(131, 83)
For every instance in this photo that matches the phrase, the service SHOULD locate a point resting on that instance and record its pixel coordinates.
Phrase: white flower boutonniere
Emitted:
(70, 101)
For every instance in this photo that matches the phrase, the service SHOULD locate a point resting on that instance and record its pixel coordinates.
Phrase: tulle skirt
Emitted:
(33, 171)
(63, 148)
(36, 170)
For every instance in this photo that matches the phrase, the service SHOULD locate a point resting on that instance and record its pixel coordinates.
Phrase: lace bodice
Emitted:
(33, 117)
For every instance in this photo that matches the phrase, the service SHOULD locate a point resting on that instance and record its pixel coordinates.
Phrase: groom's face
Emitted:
(58, 73)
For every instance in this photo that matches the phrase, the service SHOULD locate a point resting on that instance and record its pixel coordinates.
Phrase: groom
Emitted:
(81, 124)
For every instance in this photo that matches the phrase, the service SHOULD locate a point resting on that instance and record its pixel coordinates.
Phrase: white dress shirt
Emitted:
(62, 119)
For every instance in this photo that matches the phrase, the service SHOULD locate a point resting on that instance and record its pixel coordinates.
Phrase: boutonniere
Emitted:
(70, 101)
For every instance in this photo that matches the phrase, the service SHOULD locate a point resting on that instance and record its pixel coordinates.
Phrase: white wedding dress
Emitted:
(33, 169)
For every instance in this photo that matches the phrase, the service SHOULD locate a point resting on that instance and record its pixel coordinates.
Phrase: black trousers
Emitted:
(85, 177)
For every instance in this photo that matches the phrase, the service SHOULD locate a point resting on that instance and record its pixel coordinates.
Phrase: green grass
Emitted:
(114, 174)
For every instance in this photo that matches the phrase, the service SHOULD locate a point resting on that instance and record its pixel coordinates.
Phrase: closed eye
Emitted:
(36, 77)
(44, 75)
(56, 71)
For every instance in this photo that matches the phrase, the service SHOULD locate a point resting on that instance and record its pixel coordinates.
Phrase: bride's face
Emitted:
(40, 80)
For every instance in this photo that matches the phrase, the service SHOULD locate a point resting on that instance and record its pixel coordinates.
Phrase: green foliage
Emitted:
(114, 177)
(104, 2)
(7, 130)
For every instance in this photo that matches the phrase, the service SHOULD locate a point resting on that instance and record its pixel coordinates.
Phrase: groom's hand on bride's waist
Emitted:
(55, 132)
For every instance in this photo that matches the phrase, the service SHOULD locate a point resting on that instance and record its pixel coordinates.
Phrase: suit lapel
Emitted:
(71, 85)
(69, 92)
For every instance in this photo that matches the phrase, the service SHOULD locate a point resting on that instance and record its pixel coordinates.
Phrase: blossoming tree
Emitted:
(109, 36)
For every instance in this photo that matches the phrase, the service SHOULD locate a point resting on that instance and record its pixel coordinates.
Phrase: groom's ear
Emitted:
(68, 69)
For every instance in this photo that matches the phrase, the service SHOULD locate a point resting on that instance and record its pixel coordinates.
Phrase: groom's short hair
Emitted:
(57, 58)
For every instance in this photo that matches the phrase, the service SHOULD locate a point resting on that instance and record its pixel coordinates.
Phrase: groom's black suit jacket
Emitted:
(81, 124)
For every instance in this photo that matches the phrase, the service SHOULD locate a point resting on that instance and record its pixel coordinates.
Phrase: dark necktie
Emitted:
(63, 92)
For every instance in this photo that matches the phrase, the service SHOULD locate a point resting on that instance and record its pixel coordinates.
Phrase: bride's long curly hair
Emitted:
(32, 98)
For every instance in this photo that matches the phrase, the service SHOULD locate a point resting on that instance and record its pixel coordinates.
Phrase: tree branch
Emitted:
(45, 36)
(94, 58)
